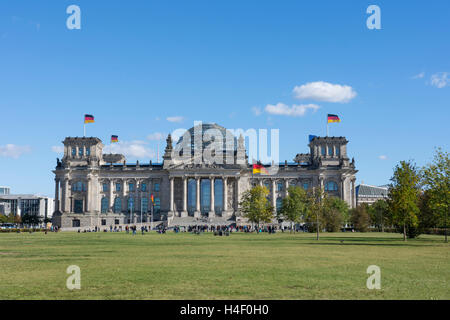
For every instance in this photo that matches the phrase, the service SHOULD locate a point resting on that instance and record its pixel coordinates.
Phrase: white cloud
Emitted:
(294, 111)
(440, 79)
(13, 151)
(256, 111)
(324, 91)
(175, 119)
(419, 76)
(133, 149)
(382, 157)
(155, 136)
(58, 149)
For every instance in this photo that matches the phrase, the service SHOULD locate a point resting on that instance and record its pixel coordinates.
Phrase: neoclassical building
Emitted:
(197, 181)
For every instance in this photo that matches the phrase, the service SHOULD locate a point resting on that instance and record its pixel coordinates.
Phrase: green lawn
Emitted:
(242, 266)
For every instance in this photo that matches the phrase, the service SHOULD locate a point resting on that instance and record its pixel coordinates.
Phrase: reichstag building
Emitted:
(200, 180)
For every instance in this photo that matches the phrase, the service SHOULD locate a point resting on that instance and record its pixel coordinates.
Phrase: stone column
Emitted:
(197, 212)
(111, 196)
(211, 213)
(274, 198)
(56, 195)
(66, 196)
(237, 196)
(88, 198)
(353, 197)
(321, 182)
(184, 213)
(171, 197)
(225, 196)
(286, 186)
(342, 187)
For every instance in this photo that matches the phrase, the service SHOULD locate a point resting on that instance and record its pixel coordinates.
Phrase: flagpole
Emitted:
(84, 129)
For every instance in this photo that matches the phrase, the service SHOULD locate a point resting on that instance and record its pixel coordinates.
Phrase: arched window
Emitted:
(323, 150)
(279, 186)
(105, 204)
(74, 152)
(331, 186)
(117, 205)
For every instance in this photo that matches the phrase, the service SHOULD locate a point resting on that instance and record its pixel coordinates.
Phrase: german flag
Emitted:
(152, 198)
(114, 138)
(259, 168)
(88, 118)
(333, 118)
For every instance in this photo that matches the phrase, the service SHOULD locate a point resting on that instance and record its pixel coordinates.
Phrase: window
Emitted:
(157, 205)
(105, 187)
(105, 204)
(103, 222)
(323, 150)
(88, 151)
(279, 203)
(131, 186)
(144, 205)
(143, 187)
(118, 187)
(330, 150)
(305, 185)
(156, 187)
(80, 151)
(338, 151)
(75, 223)
(267, 185)
(79, 186)
(117, 205)
(331, 186)
(78, 206)
(280, 186)
(116, 221)
(74, 152)
(292, 183)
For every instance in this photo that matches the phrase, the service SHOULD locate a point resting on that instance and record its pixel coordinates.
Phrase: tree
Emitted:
(404, 195)
(30, 219)
(379, 214)
(315, 210)
(294, 205)
(255, 205)
(3, 218)
(437, 187)
(360, 218)
(335, 212)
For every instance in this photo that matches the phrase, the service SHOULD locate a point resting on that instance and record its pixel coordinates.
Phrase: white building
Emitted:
(22, 204)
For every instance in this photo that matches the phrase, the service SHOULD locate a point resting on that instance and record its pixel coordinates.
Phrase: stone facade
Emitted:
(92, 189)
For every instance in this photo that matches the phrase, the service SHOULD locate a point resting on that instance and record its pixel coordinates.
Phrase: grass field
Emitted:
(242, 266)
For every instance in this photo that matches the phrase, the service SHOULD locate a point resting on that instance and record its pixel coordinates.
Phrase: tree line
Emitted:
(418, 199)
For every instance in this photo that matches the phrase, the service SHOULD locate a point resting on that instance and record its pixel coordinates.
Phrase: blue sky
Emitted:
(135, 64)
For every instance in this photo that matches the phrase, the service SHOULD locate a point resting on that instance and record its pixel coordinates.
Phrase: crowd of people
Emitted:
(191, 228)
